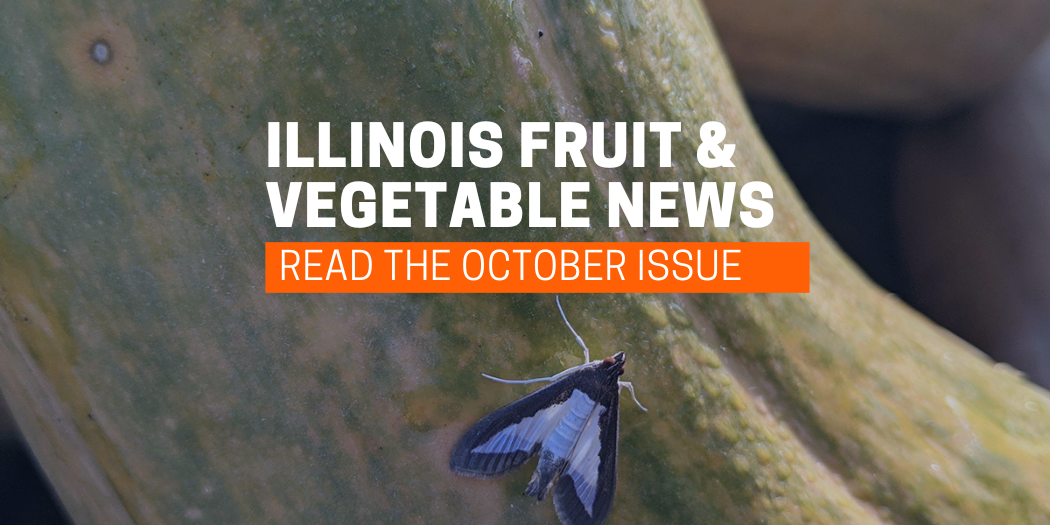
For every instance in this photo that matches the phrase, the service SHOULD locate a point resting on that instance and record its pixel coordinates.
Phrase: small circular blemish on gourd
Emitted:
(101, 52)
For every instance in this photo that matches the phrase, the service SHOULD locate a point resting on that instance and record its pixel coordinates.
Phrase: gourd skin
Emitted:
(157, 383)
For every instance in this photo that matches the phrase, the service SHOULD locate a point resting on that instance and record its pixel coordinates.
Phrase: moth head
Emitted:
(614, 365)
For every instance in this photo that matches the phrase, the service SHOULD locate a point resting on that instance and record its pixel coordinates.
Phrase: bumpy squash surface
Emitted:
(157, 383)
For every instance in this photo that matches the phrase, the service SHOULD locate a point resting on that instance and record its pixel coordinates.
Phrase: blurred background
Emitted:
(939, 192)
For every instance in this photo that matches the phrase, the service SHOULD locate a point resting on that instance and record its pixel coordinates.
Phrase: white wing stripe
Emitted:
(526, 433)
(583, 466)
(567, 434)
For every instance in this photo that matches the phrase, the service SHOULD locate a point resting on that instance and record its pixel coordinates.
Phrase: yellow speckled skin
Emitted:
(157, 383)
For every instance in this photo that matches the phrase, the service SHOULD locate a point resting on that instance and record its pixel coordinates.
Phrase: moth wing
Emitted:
(508, 437)
(583, 494)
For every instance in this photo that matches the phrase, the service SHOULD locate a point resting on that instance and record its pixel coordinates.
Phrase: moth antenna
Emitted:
(586, 352)
(518, 381)
(634, 397)
(568, 371)
(552, 378)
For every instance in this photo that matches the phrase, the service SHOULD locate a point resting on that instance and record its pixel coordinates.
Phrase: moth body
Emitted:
(572, 424)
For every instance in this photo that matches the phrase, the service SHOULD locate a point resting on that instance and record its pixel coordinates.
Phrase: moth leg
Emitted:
(586, 352)
(631, 388)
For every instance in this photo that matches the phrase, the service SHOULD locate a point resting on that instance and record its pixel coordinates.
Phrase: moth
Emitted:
(573, 424)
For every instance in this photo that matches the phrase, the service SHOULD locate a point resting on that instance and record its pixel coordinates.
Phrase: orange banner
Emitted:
(537, 267)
